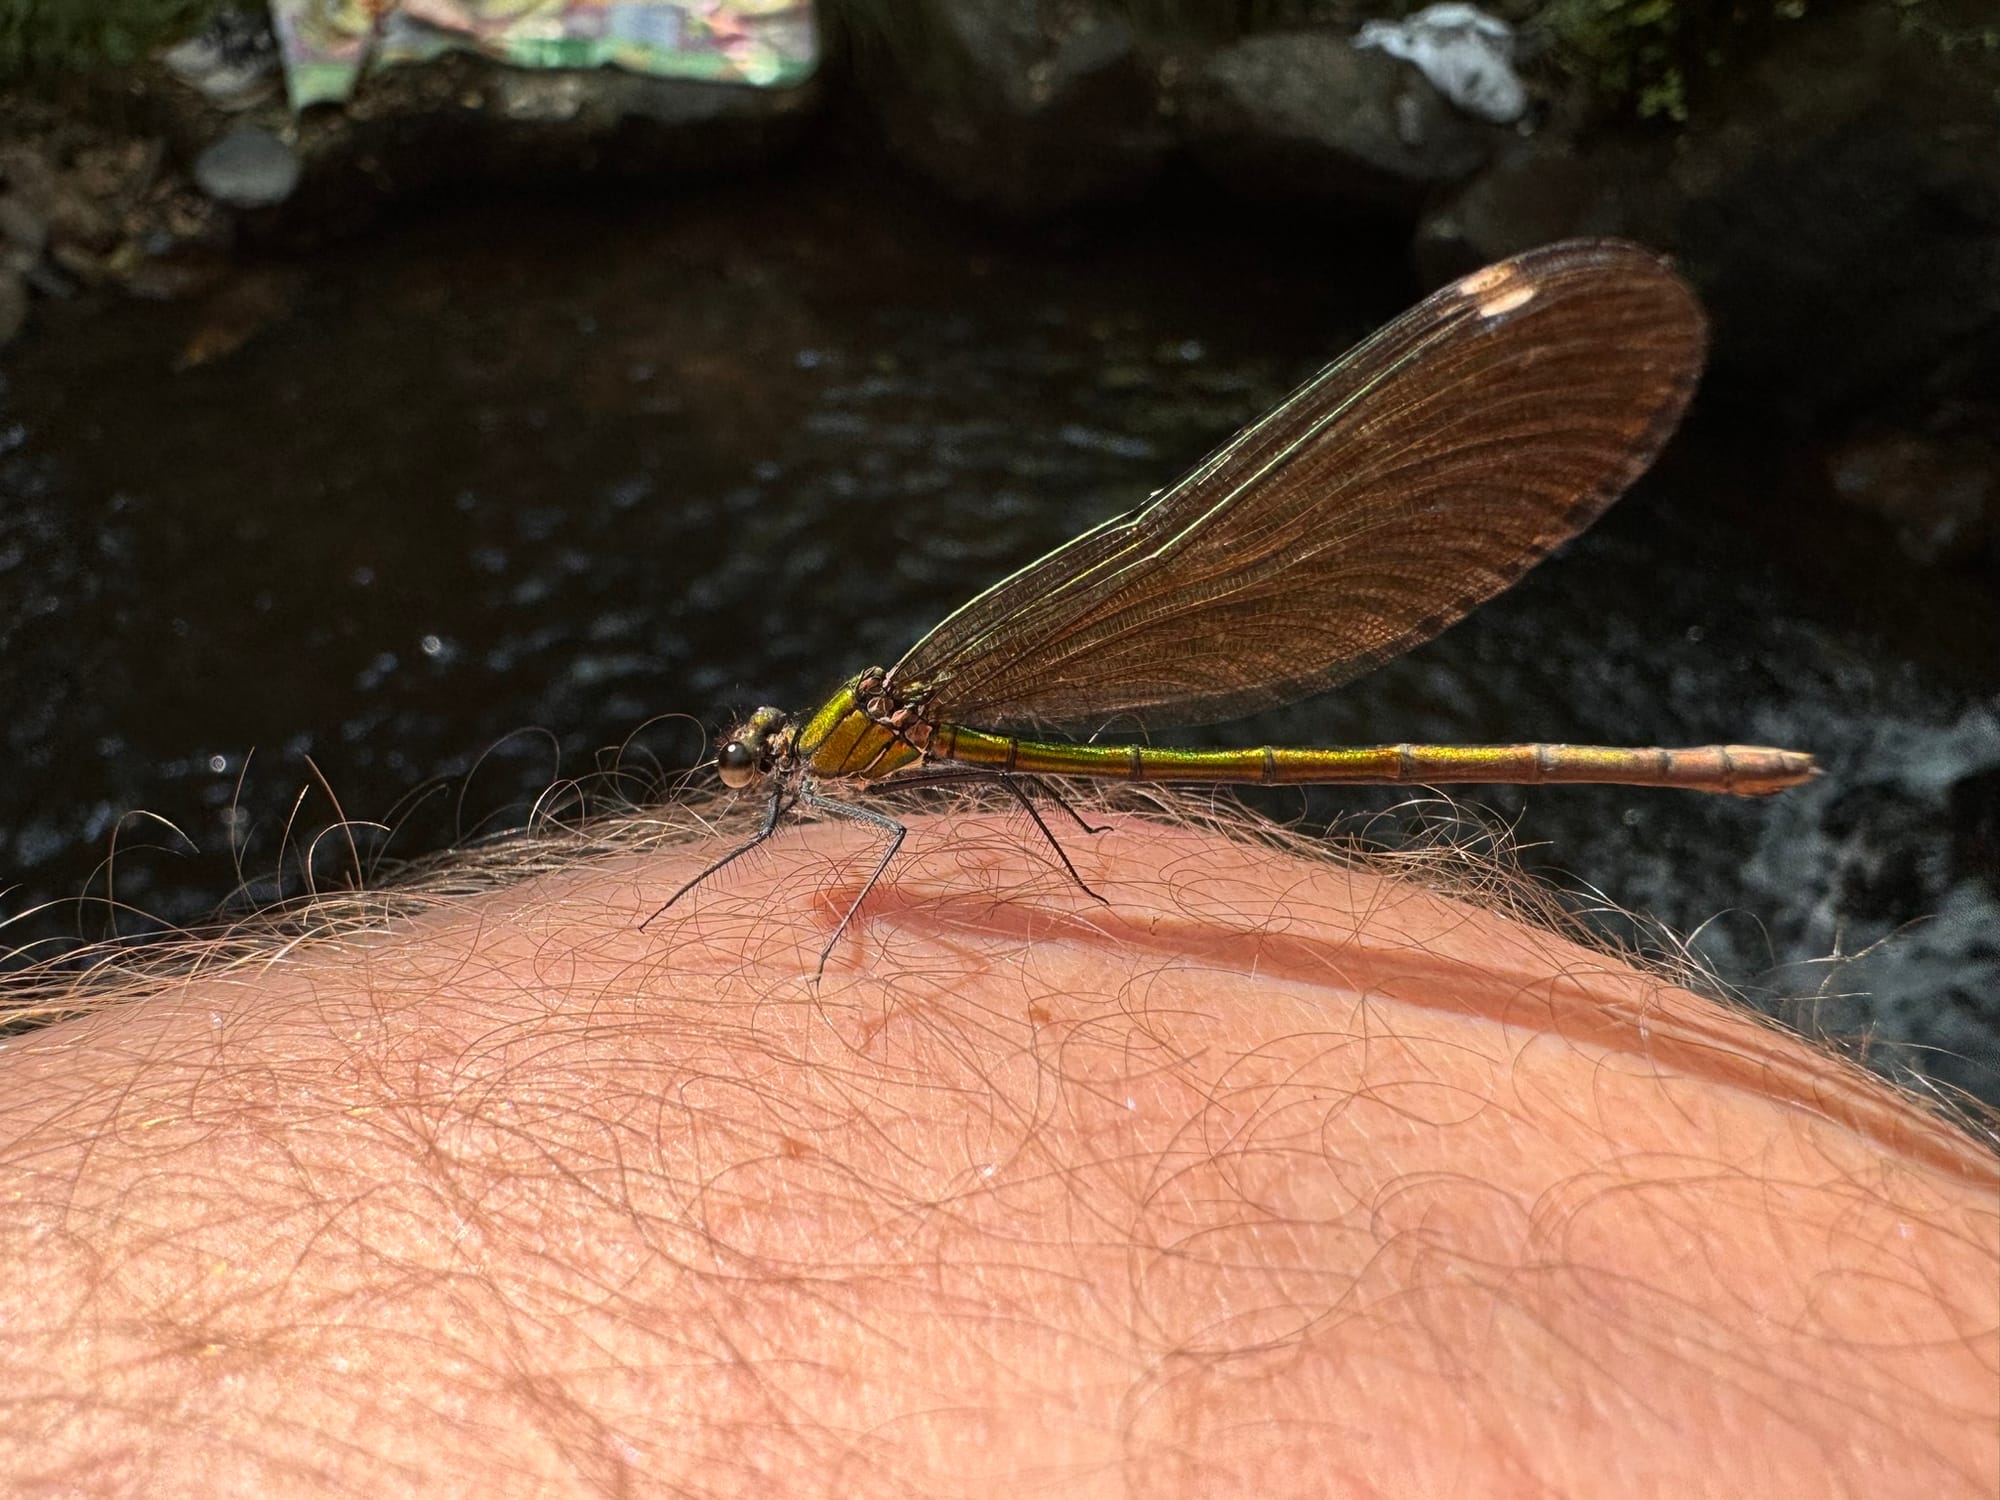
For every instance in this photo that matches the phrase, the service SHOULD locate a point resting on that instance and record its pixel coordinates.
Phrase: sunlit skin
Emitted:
(1177, 1166)
(1269, 1176)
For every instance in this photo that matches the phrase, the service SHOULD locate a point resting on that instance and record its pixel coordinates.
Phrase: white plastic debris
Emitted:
(1466, 54)
(233, 61)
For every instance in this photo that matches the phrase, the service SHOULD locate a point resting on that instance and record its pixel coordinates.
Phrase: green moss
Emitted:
(1653, 58)
(1915, 19)
(54, 36)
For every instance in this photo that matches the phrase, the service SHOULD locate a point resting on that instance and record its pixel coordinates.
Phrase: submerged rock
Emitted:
(1938, 494)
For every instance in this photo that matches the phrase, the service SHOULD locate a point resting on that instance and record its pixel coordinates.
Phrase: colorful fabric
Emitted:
(328, 44)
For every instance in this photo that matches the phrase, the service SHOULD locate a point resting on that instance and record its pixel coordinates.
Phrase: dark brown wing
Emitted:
(1421, 474)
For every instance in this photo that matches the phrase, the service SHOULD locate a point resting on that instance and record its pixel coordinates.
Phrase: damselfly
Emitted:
(1421, 474)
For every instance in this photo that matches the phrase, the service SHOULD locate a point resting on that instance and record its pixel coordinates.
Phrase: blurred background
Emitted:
(405, 408)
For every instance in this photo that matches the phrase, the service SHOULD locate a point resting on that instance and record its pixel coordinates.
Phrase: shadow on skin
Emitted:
(1269, 1176)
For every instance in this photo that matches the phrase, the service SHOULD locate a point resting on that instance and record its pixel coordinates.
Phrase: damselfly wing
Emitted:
(1414, 478)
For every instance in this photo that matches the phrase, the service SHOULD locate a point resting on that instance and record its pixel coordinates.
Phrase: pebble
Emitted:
(247, 168)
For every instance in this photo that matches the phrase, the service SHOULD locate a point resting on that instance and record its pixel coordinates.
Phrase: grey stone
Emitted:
(1020, 108)
(247, 168)
(1305, 115)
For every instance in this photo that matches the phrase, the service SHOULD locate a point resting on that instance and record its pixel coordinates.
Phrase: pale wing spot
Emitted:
(1507, 301)
(1490, 279)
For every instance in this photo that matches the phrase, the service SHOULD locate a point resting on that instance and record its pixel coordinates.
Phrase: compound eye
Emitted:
(736, 763)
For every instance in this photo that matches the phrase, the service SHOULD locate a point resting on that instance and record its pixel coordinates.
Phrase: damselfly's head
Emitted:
(761, 744)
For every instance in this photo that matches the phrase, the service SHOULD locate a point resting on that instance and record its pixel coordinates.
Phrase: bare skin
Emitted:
(1267, 1178)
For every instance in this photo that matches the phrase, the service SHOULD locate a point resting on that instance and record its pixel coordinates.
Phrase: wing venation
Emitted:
(1419, 475)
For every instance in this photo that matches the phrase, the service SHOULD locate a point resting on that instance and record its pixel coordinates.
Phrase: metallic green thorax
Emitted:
(843, 739)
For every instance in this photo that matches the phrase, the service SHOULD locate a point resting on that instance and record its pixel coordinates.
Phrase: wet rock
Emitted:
(1937, 494)
(1305, 115)
(1838, 205)
(84, 190)
(1014, 106)
(81, 203)
(248, 167)
(1545, 188)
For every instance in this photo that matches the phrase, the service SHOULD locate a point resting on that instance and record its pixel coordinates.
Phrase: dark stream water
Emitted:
(486, 493)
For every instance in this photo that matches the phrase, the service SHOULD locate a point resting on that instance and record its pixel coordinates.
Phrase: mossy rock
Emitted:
(1653, 58)
(39, 37)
